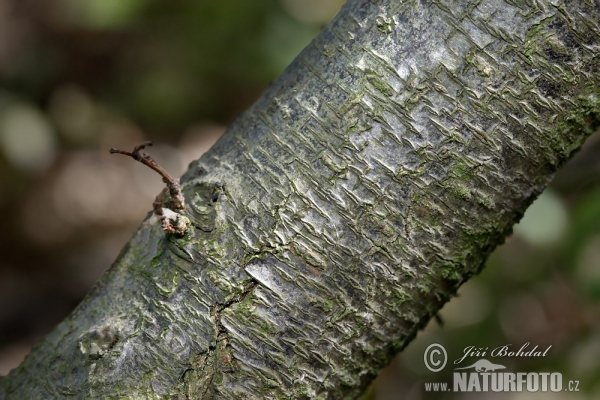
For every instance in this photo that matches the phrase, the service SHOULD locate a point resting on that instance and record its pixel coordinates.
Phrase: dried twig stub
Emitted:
(158, 202)
(176, 201)
(172, 222)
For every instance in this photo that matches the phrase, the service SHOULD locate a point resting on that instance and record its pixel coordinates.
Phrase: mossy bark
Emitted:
(341, 211)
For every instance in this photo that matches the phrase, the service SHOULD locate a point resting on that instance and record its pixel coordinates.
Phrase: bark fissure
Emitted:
(219, 358)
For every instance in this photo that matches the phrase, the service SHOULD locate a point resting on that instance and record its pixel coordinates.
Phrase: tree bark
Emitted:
(341, 211)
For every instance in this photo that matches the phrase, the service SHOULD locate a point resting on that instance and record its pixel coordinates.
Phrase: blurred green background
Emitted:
(80, 76)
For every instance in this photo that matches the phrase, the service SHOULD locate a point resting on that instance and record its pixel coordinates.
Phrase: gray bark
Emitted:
(342, 210)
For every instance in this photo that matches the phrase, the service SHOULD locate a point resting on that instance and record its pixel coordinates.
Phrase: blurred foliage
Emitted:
(161, 63)
(80, 76)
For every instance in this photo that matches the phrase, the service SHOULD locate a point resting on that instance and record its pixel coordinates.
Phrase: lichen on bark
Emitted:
(342, 210)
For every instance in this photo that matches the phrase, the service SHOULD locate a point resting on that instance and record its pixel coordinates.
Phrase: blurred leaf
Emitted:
(544, 222)
(163, 96)
(26, 138)
(315, 12)
(104, 14)
(283, 39)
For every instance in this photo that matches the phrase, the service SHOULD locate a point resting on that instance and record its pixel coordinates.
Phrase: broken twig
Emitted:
(172, 222)
(176, 201)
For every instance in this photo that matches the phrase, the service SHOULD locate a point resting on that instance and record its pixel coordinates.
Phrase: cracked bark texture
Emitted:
(341, 211)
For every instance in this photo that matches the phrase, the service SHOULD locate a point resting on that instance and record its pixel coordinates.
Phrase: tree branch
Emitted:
(341, 211)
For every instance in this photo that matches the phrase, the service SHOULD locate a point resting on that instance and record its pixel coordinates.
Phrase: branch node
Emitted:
(174, 223)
